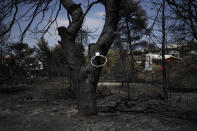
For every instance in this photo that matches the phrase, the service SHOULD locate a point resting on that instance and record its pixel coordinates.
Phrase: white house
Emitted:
(149, 60)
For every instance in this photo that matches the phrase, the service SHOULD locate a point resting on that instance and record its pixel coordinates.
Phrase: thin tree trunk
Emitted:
(131, 57)
(122, 58)
(163, 53)
(132, 69)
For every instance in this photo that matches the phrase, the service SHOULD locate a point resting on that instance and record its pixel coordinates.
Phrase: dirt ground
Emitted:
(47, 105)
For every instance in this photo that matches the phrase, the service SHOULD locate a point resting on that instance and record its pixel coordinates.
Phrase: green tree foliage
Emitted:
(16, 63)
(21, 50)
(131, 28)
(43, 53)
(112, 60)
(133, 14)
(53, 59)
(114, 68)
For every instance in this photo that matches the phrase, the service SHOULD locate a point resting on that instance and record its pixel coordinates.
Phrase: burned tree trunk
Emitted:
(85, 78)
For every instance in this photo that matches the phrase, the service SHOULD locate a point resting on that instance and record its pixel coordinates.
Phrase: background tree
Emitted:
(15, 66)
(84, 35)
(131, 28)
(113, 69)
(44, 54)
(158, 30)
(186, 12)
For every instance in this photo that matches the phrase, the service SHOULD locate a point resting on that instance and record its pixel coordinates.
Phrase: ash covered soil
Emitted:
(47, 105)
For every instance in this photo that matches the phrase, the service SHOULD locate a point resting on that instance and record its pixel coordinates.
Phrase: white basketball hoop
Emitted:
(97, 54)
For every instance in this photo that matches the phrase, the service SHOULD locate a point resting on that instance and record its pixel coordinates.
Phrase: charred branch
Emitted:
(32, 19)
(53, 20)
(13, 19)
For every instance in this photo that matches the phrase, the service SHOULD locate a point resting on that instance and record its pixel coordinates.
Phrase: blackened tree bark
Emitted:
(85, 78)
(163, 53)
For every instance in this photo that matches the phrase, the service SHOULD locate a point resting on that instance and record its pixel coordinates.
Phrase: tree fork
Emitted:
(85, 79)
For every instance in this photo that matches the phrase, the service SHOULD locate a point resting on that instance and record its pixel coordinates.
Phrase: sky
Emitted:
(94, 21)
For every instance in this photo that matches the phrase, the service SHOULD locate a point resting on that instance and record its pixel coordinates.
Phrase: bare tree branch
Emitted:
(27, 12)
(152, 26)
(187, 12)
(68, 18)
(19, 27)
(29, 24)
(6, 10)
(43, 14)
(53, 20)
(13, 19)
(90, 6)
